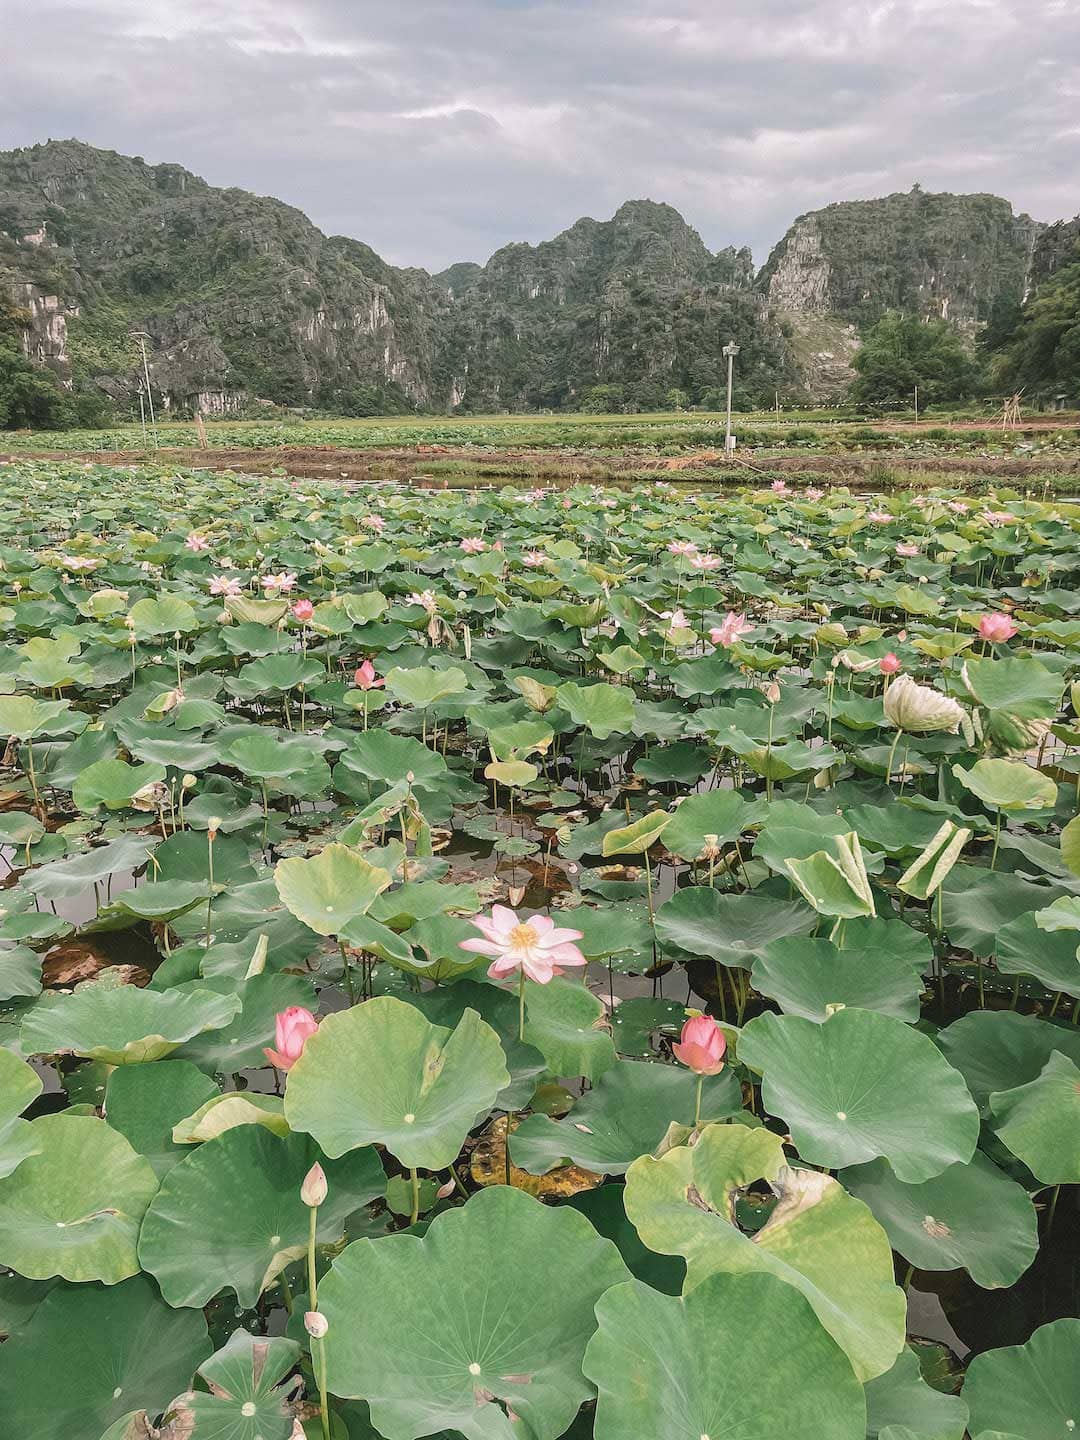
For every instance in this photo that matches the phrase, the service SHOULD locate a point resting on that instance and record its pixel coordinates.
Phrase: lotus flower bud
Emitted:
(889, 664)
(189, 782)
(213, 825)
(914, 707)
(701, 1046)
(316, 1324)
(314, 1189)
(996, 627)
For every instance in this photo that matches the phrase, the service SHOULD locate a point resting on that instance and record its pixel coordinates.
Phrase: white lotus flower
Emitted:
(911, 706)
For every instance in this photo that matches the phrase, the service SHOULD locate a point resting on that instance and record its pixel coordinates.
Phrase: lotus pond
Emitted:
(528, 964)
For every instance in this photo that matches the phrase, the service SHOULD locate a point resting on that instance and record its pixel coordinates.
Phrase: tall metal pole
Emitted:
(730, 350)
(141, 336)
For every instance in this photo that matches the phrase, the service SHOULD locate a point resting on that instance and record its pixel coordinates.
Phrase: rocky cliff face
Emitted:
(242, 299)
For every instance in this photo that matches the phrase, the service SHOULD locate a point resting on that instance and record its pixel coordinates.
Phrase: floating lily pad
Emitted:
(329, 890)
(1040, 1122)
(248, 1399)
(1030, 1390)
(812, 977)
(474, 1317)
(144, 1102)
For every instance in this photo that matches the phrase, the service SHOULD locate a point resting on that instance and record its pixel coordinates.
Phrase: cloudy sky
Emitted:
(438, 130)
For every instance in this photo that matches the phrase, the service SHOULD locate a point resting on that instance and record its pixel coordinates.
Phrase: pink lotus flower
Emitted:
(534, 947)
(907, 551)
(534, 559)
(996, 627)
(959, 507)
(778, 487)
(472, 545)
(813, 493)
(314, 1190)
(303, 610)
(279, 584)
(889, 664)
(566, 503)
(997, 518)
(682, 547)
(705, 562)
(293, 1028)
(879, 517)
(701, 1046)
(225, 585)
(374, 522)
(426, 598)
(196, 542)
(676, 619)
(730, 629)
(537, 495)
(365, 677)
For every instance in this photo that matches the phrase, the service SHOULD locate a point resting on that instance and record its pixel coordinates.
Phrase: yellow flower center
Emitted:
(522, 936)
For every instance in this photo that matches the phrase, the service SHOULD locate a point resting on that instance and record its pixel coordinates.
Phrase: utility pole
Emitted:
(730, 351)
(142, 338)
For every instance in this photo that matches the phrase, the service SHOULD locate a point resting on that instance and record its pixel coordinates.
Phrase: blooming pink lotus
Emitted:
(997, 518)
(705, 562)
(997, 627)
(225, 585)
(682, 547)
(303, 610)
(374, 522)
(365, 677)
(196, 542)
(778, 487)
(426, 598)
(907, 551)
(889, 664)
(701, 1046)
(534, 947)
(879, 517)
(292, 1030)
(676, 619)
(279, 584)
(473, 545)
(959, 507)
(813, 493)
(534, 559)
(730, 629)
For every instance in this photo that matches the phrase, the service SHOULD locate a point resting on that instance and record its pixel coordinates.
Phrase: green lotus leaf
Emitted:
(256, 612)
(1070, 845)
(723, 813)
(274, 674)
(568, 1025)
(863, 1085)
(160, 900)
(637, 1022)
(625, 1115)
(20, 972)
(379, 755)
(144, 1102)
(970, 1217)
(1022, 687)
(768, 1358)
(683, 763)
(424, 686)
(902, 1398)
(837, 886)
(1063, 914)
(1032, 1390)
(817, 1238)
(446, 1004)
(247, 1400)
(162, 616)
(327, 891)
(731, 929)
(926, 873)
(1024, 947)
(1008, 785)
(812, 978)
(224, 1112)
(793, 831)
(511, 772)
(380, 1073)
(24, 718)
(603, 709)
(422, 899)
(74, 1208)
(90, 1356)
(230, 1213)
(113, 783)
(62, 879)
(122, 1025)
(1040, 1121)
(474, 1319)
(20, 1085)
(636, 839)
(1001, 1050)
(978, 904)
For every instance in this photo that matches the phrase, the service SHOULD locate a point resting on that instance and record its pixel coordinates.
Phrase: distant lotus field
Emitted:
(529, 963)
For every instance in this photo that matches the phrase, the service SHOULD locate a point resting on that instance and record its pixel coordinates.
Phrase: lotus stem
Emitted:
(697, 1102)
(318, 1344)
(521, 1004)
(414, 1181)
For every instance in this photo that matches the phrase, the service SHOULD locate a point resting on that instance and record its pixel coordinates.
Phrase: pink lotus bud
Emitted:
(447, 1189)
(303, 610)
(701, 1046)
(996, 627)
(889, 664)
(314, 1189)
(316, 1324)
(293, 1027)
(365, 677)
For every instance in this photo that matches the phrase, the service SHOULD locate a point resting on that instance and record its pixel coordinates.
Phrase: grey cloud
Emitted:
(438, 131)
